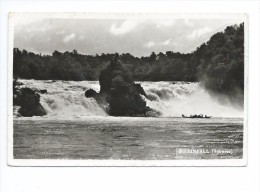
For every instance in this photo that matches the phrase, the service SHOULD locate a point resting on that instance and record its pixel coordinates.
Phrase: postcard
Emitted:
(113, 89)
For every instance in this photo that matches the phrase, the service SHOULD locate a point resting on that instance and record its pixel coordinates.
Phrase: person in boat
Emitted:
(196, 116)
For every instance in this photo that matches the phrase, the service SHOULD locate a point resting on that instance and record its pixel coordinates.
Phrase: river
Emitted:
(75, 127)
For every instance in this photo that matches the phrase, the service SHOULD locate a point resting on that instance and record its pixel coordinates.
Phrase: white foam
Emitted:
(66, 99)
(173, 99)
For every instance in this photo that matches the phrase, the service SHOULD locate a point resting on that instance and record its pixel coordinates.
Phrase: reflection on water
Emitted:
(129, 138)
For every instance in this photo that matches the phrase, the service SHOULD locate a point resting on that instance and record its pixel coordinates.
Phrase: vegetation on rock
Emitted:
(118, 89)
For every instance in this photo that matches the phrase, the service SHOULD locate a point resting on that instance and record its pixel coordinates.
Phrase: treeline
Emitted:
(75, 66)
(219, 63)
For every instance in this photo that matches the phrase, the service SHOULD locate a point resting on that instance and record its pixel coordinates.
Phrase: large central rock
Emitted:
(118, 89)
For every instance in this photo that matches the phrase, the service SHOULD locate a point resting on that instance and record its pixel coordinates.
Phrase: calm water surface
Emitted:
(129, 138)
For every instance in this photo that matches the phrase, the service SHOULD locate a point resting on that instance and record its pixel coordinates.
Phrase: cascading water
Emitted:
(173, 99)
(66, 99)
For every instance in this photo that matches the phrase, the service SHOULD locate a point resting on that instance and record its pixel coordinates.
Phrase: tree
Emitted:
(153, 57)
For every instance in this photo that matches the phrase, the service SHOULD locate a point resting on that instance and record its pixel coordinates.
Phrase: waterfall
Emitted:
(173, 99)
(66, 99)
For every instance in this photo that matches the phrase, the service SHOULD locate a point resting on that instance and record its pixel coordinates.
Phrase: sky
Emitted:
(137, 36)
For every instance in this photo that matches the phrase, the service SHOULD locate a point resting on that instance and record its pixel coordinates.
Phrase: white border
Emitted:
(47, 162)
(152, 179)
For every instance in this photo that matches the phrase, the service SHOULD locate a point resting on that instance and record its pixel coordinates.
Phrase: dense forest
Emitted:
(219, 63)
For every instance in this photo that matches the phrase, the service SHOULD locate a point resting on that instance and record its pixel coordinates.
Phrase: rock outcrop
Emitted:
(121, 94)
(91, 93)
(28, 102)
(43, 91)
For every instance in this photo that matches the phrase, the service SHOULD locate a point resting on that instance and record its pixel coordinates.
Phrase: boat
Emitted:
(197, 116)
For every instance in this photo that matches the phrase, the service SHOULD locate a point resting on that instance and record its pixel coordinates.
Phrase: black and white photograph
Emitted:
(146, 88)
